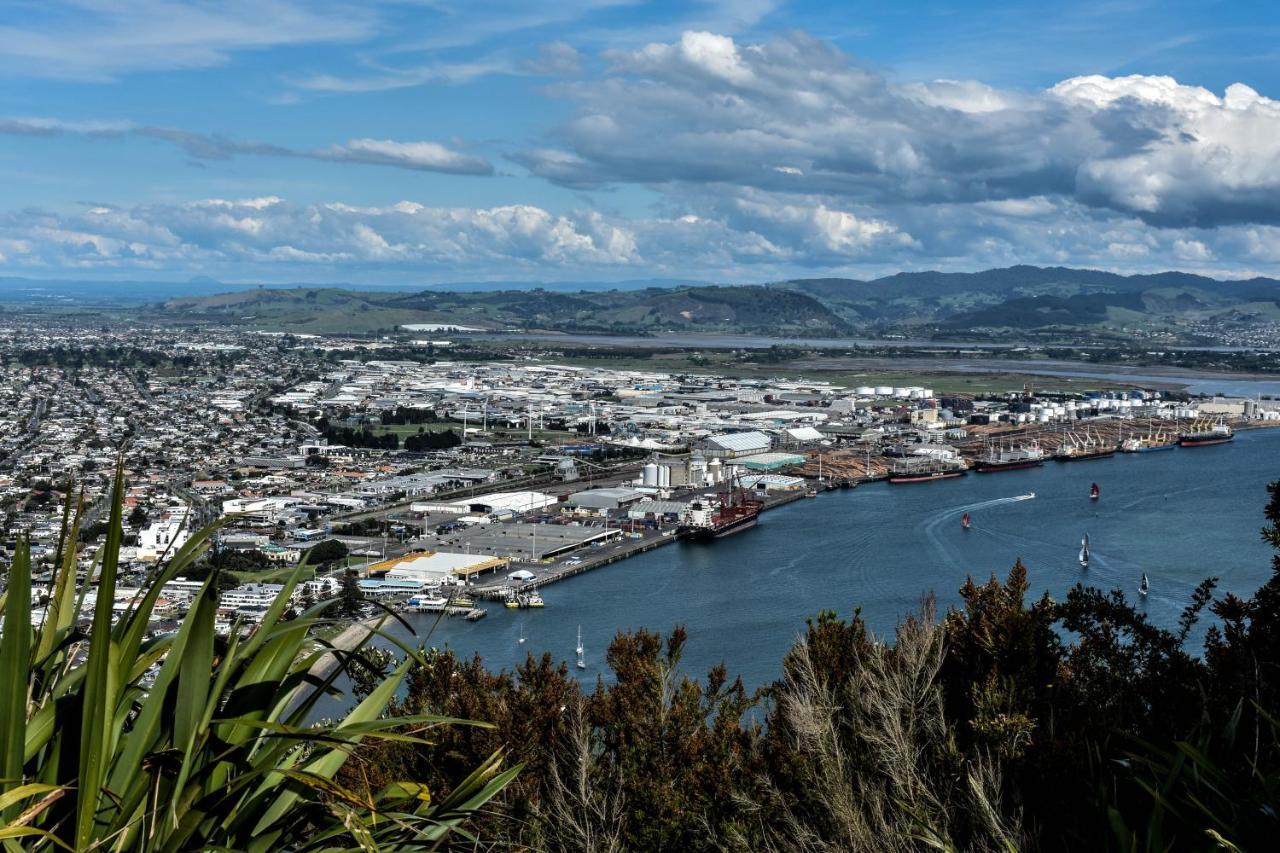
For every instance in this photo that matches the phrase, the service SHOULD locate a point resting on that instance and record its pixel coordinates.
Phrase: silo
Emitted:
(884, 390)
(715, 470)
(664, 477)
(649, 475)
(865, 391)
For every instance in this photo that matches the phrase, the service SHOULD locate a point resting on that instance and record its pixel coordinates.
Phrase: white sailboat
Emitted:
(1084, 552)
(582, 664)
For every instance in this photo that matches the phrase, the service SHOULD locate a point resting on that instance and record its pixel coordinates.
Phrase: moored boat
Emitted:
(732, 512)
(1202, 436)
(1009, 458)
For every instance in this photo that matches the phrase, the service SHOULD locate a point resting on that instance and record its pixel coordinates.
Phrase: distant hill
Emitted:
(994, 304)
(1025, 298)
(704, 308)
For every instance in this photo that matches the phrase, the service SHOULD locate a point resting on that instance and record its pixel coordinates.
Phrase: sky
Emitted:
(419, 141)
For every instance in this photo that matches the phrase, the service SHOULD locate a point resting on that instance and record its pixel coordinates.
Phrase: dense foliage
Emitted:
(1008, 723)
(121, 738)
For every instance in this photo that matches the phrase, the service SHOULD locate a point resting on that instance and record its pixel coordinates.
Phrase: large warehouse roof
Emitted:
(739, 441)
(434, 564)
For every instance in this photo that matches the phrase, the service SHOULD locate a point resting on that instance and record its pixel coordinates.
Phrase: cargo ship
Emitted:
(706, 520)
(1082, 454)
(1077, 448)
(1204, 436)
(1147, 445)
(1009, 459)
(924, 472)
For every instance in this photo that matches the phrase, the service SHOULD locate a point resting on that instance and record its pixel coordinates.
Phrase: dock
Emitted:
(612, 554)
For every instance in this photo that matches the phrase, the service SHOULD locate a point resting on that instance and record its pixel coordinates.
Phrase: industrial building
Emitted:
(602, 500)
(496, 504)
(735, 445)
(770, 461)
(435, 566)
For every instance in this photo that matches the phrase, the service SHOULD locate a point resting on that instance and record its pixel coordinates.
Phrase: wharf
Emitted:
(546, 575)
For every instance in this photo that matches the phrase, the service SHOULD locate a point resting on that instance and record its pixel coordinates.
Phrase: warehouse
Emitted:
(496, 504)
(736, 445)
(435, 566)
(770, 461)
(602, 500)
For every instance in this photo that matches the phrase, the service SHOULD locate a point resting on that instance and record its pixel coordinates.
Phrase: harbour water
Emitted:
(1179, 516)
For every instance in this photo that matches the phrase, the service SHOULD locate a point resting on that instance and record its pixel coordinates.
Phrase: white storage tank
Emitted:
(884, 390)
(865, 390)
(649, 475)
(664, 477)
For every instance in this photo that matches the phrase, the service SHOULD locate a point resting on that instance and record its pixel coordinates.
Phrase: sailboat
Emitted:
(582, 664)
(1144, 586)
(1094, 492)
(1084, 552)
(964, 521)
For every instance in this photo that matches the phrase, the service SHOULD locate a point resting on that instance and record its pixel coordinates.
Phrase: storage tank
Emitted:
(664, 477)
(715, 470)
(884, 390)
(649, 475)
(902, 393)
(865, 390)
(1045, 417)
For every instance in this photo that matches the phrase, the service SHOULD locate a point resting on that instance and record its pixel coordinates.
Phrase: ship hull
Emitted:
(992, 467)
(924, 478)
(1204, 442)
(1153, 448)
(710, 534)
(1085, 457)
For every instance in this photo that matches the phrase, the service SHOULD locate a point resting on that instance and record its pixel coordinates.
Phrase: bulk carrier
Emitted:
(1009, 458)
(707, 520)
(1204, 435)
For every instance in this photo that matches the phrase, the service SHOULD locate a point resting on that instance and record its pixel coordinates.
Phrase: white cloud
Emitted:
(85, 40)
(417, 155)
(706, 109)
(428, 156)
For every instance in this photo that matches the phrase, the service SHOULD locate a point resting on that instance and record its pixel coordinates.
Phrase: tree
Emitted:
(350, 598)
(138, 517)
(327, 551)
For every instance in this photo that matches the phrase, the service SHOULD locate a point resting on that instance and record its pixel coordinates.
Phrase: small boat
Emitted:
(810, 492)
(582, 664)
(1030, 495)
(964, 521)
(534, 600)
(1144, 586)
(1084, 552)
(1094, 492)
(522, 637)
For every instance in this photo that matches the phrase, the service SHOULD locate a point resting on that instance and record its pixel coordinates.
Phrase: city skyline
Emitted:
(406, 143)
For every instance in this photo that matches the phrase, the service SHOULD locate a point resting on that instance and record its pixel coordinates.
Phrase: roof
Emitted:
(805, 433)
(741, 440)
(438, 563)
(769, 461)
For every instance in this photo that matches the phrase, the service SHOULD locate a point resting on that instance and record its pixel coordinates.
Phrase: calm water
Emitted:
(1180, 516)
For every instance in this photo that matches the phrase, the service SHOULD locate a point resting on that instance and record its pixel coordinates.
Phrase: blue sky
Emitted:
(413, 141)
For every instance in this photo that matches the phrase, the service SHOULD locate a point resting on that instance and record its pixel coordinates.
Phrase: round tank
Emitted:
(664, 476)
(649, 475)
(865, 390)
(884, 390)
(902, 393)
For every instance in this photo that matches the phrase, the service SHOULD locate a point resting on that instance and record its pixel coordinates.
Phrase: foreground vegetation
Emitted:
(117, 738)
(1005, 724)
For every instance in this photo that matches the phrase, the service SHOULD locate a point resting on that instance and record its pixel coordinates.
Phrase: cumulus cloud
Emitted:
(428, 156)
(795, 113)
(420, 156)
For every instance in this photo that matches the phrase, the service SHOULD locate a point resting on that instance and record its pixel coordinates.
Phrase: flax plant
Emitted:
(216, 753)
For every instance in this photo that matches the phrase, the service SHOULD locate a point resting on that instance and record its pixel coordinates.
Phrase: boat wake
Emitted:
(942, 546)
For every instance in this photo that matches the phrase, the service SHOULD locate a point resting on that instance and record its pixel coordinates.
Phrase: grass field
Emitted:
(942, 381)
